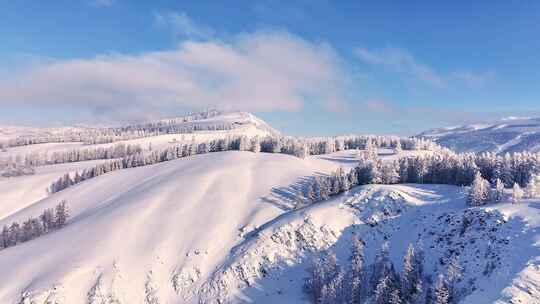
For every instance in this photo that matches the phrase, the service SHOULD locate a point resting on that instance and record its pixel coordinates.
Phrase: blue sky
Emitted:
(307, 67)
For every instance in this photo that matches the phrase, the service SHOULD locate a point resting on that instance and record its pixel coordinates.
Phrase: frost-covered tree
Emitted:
(244, 144)
(389, 173)
(325, 282)
(383, 290)
(395, 297)
(517, 193)
(533, 187)
(47, 219)
(255, 145)
(398, 149)
(411, 285)
(442, 295)
(4, 237)
(357, 278)
(479, 191)
(453, 277)
(381, 265)
(498, 193)
(368, 171)
(61, 215)
(151, 291)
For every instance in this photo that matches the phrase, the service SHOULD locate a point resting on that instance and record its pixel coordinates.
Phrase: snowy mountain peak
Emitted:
(510, 134)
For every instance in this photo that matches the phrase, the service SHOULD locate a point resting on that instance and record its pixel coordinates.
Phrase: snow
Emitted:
(513, 134)
(221, 226)
(157, 217)
(247, 125)
(17, 193)
(204, 227)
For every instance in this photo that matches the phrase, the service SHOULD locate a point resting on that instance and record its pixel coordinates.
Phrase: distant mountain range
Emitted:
(506, 135)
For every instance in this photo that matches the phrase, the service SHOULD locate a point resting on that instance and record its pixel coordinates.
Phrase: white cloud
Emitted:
(182, 25)
(263, 71)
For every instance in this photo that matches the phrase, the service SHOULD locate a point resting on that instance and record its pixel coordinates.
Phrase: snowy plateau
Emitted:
(197, 210)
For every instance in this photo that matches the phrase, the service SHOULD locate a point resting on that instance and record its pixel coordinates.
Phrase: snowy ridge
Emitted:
(506, 135)
(203, 123)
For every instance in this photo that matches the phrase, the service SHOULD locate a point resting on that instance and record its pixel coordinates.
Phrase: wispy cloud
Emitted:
(102, 3)
(262, 71)
(474, 79)
(401, 61)
(404, 62)
(182, 25)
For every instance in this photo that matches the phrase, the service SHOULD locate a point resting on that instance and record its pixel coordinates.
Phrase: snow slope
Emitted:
(219, 227)
(271, 267)
(506, 135)
(159, 217)
(19, 192)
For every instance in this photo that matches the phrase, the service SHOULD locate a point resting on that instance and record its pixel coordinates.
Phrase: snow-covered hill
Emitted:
(506, 135)
(200, 126)
(198, 130)
(165, 218)
(218, 226)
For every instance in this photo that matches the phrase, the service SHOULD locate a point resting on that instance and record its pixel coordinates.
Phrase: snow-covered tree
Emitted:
(479, 191)
(398, 149)
(412, 277)
(357, 277)
(244, 143)
(517, 193)
(255, 145)
(383, 290)
(61, 215)
(381, 265)
(453, 277)
(498, 193)
(389, 173)
(47, 219)
(442, 295)
(533, 187)
(395, 297)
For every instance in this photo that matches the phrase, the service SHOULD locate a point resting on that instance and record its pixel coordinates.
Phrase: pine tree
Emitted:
(398, 149)
(381, 265)
(411, 282)
(453, 277)
(498, 193)
(442, 295)
(395, 297)
(389, 174)
(357, 273)
(533, 187)
(255, 145)
(478, 192)
(517, 193)
(383, 291)
(4, 237)
(47, 220)
(61, 215)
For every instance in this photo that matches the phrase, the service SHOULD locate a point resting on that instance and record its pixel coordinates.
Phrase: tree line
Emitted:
(180, 125)
(48, 221)
(269, 144)
(487, 174)
(69, 156)
(379, 282)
